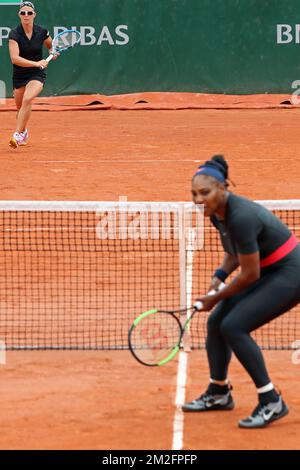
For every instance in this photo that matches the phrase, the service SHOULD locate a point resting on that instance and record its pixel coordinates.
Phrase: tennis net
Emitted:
(74, 275)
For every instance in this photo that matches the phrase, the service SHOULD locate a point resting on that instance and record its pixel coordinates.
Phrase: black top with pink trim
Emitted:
(249, 227)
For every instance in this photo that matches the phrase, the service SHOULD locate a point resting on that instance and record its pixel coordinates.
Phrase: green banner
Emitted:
(232, 46)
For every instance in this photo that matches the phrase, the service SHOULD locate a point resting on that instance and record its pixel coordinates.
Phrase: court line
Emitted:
(115, 161)
(110, 162)
(178, 423)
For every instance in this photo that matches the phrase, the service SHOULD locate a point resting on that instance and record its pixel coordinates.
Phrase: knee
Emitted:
(228, 328)
(213, 325)
(26, 101)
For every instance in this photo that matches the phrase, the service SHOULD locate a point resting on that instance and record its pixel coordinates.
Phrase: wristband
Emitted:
(220, 274)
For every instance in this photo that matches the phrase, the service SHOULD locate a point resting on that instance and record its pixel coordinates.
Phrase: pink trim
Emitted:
(280, 253)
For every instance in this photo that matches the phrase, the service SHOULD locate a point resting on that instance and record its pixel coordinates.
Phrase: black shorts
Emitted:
(20, 81)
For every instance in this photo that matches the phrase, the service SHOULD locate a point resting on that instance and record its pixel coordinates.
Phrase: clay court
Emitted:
(104, 399)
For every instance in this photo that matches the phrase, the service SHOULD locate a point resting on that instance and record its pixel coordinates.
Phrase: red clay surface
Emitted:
(104, 400)
(149, 155)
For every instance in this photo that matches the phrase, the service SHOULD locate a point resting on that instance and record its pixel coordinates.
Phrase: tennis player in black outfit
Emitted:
(26, 43)
(266, 286)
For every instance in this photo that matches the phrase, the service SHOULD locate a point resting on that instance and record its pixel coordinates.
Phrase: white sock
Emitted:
(219, 382)
(266, 388)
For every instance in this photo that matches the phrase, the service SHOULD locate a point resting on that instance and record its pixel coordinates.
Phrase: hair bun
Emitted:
(218, 161)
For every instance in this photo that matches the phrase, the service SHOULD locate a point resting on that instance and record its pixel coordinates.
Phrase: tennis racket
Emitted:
(64, 41)
(155, 336)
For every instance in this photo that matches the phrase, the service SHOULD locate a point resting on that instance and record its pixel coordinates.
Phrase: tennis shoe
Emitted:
(263, 415)
(208, 402)
(16, 140)
(25, 136)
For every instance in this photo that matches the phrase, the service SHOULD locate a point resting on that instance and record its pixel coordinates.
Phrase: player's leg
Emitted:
(18, 96)
(33, 89)
(217, 395)
(18, 139)
(273, 295)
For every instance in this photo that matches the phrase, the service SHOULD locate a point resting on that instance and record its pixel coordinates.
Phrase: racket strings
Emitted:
(66, 40)
(154, 338)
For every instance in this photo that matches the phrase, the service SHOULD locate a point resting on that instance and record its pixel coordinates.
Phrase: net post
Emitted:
(2, 353)
(190, 248)
(184, 290)
(182, 257)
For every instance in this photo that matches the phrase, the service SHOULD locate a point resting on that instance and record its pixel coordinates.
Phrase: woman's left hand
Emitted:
(209, 301)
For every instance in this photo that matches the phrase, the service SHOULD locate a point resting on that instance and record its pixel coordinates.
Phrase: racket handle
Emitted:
(50, 57)
(199, 305)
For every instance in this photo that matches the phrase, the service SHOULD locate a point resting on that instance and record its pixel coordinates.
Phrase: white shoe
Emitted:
(16, 140)
(25, 136)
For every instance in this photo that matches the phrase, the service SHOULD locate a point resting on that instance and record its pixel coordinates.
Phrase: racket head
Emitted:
(154, 337)
(65, 40)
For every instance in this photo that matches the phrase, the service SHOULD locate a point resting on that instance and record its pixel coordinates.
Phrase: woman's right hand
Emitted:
(42, 64)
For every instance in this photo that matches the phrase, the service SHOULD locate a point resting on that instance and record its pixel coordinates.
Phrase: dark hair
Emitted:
(219, 162)
(217, 167)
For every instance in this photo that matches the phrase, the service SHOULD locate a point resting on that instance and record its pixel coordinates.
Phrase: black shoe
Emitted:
(265, 414)
(207, 402)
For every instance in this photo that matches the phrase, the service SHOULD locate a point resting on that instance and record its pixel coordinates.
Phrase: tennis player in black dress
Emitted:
(266, 286)
(26, 43)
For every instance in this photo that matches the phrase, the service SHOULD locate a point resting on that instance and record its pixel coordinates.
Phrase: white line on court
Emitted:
(147, 161)
(178, 423)
(115, 161)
